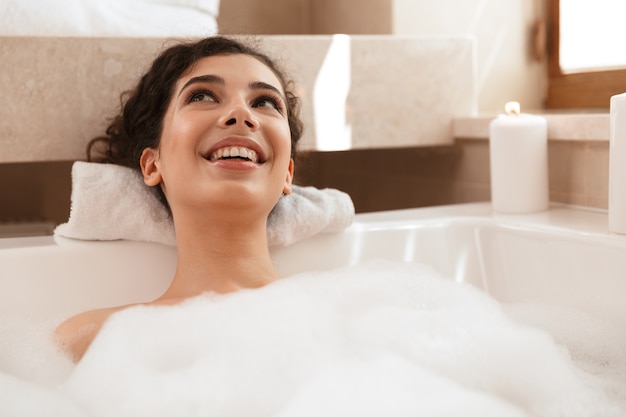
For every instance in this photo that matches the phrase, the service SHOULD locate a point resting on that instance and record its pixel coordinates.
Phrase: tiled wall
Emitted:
(377, 179)
(403, 178)
(579, 172)
(35, 191)
(382, 179)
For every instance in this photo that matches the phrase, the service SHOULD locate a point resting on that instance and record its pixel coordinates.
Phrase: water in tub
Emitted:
(378, 339)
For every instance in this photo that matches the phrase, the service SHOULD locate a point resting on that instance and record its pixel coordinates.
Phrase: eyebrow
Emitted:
(260, 85)
(216, 79)
(211, 79)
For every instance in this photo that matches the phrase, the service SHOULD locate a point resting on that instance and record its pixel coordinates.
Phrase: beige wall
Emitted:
(503, 28)
(306, 16)
(352, 17)
(503, 32)
(264, 17)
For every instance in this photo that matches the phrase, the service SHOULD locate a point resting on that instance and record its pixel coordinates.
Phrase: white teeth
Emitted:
(235, 151)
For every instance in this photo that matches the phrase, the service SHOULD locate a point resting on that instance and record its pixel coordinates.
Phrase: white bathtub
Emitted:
(562, 257)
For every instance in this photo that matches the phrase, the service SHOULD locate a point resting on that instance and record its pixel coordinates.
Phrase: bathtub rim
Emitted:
(580, 220)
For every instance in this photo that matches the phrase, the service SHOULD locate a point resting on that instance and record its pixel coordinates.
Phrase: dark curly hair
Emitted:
(140, 123)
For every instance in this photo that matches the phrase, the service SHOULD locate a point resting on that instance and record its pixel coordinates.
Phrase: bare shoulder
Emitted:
(76, 333)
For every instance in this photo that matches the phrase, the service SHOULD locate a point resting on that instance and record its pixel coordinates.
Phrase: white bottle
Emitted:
(617, 165)
(518, 150)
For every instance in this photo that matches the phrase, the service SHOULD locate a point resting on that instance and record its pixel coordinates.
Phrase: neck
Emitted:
(220, 257)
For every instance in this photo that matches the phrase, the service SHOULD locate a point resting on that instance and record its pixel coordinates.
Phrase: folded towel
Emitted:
(111, 202)
(308, 211)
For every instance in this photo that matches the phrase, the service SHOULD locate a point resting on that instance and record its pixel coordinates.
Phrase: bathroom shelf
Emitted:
(592, 126)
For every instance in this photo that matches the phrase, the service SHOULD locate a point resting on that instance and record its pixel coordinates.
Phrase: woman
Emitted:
(213, 127)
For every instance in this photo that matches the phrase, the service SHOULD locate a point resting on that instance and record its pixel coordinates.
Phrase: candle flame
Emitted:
(512, 107)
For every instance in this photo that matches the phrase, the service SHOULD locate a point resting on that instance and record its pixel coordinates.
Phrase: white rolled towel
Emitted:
(111, 202)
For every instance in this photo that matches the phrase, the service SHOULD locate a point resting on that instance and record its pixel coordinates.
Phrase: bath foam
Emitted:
(21, 398)
(596, 346)
(29, 352)
(382, 338)
(379, 336)
(388, 386)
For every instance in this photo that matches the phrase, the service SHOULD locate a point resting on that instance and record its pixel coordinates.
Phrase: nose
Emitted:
(238, 114)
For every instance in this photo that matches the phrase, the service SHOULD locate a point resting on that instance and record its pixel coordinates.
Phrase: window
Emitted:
(586, 63)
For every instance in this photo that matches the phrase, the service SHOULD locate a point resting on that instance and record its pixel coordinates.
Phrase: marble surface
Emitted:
(583, 126)
(378, 91)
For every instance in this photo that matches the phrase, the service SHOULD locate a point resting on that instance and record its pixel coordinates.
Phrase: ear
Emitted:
(289, 179)
(150, 167)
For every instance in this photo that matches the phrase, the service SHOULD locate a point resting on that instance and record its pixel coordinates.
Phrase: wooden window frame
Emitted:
(580, 90)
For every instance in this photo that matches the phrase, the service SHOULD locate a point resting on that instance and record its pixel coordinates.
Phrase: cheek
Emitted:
(178, 133)
(284, 135)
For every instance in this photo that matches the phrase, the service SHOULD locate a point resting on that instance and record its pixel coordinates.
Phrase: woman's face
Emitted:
(225, 137)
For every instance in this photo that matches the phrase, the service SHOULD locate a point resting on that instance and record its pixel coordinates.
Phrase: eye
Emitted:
(201, 95)
(270, 102)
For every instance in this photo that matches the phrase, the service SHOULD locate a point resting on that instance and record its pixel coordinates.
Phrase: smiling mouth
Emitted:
(234, 152)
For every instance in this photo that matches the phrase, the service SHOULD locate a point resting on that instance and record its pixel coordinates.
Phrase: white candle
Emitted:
(518, 150)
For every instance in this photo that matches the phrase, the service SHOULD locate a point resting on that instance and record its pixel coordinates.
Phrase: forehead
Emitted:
(233, 68)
